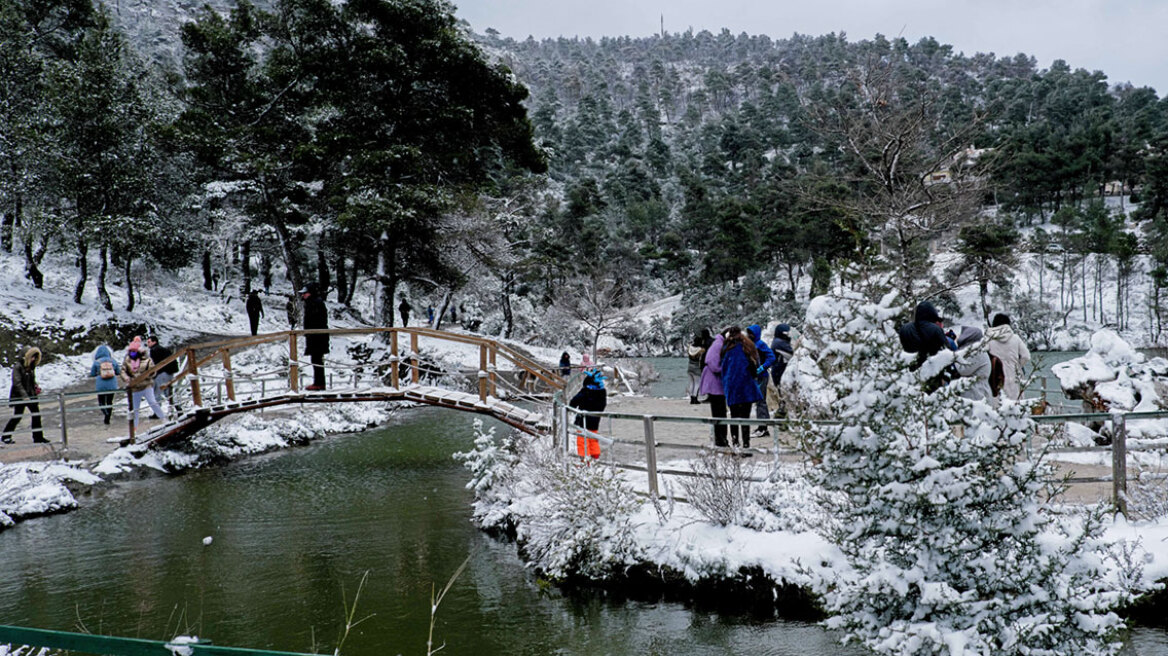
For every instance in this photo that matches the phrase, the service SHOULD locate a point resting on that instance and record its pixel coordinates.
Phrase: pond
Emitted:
(293, 533)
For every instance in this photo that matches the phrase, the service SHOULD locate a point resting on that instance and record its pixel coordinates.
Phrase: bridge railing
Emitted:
(210, 373)
(624, 437)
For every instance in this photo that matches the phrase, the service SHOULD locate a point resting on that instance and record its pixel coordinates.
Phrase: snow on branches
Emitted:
(951, 546)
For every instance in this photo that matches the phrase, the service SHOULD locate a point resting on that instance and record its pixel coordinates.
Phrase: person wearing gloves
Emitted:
(781, 347)
(106, 371)
(136, 363)
(24, 396)
(1008, 347)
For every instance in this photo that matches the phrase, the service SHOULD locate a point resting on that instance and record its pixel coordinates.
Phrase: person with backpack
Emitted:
(24, 396)
(697, 356)
(158, 353)
(781, 347)
(1011, 350)
(105, 370)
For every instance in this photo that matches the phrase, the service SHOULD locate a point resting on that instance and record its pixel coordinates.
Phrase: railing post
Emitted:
(651, 456)
(130, 412)
(230, 381)
(1043, 395)
(219, 392)
(193, 374)
(1119, 463)
(491, 370)
(393, 360)
(293, 368)
(414, 358)
(483, 372)
(64, 428)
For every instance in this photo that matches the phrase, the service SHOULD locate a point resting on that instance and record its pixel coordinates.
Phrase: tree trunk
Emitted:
(342, 281)
(983, 289)
(82, 268)
(129, 283)
(289, 249)
(508, 316)
(266, 270)
(102, 295)
(31, 269)
(245, 263)
(437, 324)
(208, 278)
(322, 273)
(386, 279)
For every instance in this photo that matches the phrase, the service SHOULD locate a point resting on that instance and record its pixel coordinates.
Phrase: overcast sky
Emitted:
(1126, 39)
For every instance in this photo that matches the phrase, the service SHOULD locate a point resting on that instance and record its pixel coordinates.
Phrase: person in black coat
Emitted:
(255, 310)
(24, 396)
(925, 336)
(315, 346)
(591, 398)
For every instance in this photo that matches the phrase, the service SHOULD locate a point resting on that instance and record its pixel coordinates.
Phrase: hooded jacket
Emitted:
(973, 364)
(781, 347)
(144, 364)
(765, 354)
(923, 336)
(711, 382)
(315, 318)
(1011, 350)
(103, 354)
(591, 398)
(24, 375)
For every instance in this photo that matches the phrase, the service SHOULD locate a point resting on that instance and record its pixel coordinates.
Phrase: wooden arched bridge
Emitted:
(222, 378)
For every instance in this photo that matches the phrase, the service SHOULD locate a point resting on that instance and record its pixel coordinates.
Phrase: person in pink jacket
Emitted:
(711, 387)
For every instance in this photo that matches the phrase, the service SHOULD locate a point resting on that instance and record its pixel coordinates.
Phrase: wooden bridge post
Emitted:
(414, 358)
(651, 456)
(394, 360)
(230, 382)
(1119, 463)
(483, 372)
(293, 368)
(493, 390)
(193, 374)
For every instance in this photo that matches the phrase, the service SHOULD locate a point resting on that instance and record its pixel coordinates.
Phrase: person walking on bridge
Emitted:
(315, 346)
(158, 353)
(136, 363)
(255, 310)
(106, 371)
(24, 396)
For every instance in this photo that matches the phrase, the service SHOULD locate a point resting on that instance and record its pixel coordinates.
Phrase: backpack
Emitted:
(997, 375)
(106, 370)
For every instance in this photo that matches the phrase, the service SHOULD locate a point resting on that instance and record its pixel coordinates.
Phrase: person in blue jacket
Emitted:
(740, 362)
(761, 375)
(105, 369)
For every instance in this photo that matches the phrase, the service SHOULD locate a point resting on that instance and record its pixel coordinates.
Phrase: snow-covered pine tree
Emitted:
(950, 545)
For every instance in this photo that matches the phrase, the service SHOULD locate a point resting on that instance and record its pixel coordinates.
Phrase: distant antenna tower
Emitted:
(662, 26)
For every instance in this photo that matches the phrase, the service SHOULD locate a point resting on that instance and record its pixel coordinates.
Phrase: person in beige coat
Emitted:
(1011, 350)
(137, 362)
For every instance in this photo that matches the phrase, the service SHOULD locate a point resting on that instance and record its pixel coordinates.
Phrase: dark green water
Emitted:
(295, 531)
(293, 534)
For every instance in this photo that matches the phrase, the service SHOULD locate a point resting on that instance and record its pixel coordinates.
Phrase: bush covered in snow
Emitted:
(571, 519)
(938, 510)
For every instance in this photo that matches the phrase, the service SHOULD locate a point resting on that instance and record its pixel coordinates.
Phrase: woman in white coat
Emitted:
(1011, 350)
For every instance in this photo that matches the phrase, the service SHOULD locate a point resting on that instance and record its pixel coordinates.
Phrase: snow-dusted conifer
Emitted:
(938, 510)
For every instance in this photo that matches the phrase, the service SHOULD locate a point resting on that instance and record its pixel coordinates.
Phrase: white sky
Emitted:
(1126, 39)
